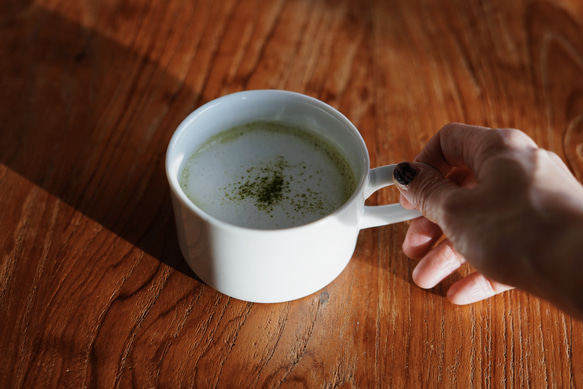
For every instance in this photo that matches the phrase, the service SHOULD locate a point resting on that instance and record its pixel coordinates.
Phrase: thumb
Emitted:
(426, 189)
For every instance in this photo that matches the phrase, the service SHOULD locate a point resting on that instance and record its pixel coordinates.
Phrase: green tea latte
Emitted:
(267, 175)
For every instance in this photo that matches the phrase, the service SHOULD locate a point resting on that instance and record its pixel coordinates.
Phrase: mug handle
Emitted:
(380, 215)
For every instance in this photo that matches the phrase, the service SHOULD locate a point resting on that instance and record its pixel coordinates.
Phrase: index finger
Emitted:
(464, 145)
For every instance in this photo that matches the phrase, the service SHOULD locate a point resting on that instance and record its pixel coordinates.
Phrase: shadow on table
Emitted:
(89, 120)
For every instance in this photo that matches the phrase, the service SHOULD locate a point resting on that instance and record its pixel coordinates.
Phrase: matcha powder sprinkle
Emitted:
(266, 186)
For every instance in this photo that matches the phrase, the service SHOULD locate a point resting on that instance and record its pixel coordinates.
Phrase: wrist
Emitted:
(557, 258)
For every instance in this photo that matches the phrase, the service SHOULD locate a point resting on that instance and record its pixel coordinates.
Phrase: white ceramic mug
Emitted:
(275, 265)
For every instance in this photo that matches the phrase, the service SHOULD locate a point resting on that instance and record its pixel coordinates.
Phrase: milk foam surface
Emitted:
(267, 175)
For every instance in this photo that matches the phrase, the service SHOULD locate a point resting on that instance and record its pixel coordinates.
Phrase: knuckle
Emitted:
(451, 126)
(508, 150)
(486, 286)
(457, 259)
(511, 139)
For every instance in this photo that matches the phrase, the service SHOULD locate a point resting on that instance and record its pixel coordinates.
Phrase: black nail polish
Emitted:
(404, 173)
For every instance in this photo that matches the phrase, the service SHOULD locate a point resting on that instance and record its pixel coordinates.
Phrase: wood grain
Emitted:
(93, 289)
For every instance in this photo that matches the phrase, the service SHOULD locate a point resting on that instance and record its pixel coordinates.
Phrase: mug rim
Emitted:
(185, 123)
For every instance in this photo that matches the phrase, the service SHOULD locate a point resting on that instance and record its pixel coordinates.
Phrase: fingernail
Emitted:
(404, 173)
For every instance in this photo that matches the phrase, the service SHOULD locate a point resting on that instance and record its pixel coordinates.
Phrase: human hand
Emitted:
(504, 205)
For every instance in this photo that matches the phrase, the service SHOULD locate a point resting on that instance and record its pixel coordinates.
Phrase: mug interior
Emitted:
(266, 105)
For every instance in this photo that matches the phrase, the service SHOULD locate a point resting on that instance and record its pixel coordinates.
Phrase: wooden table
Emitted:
(93, 289)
